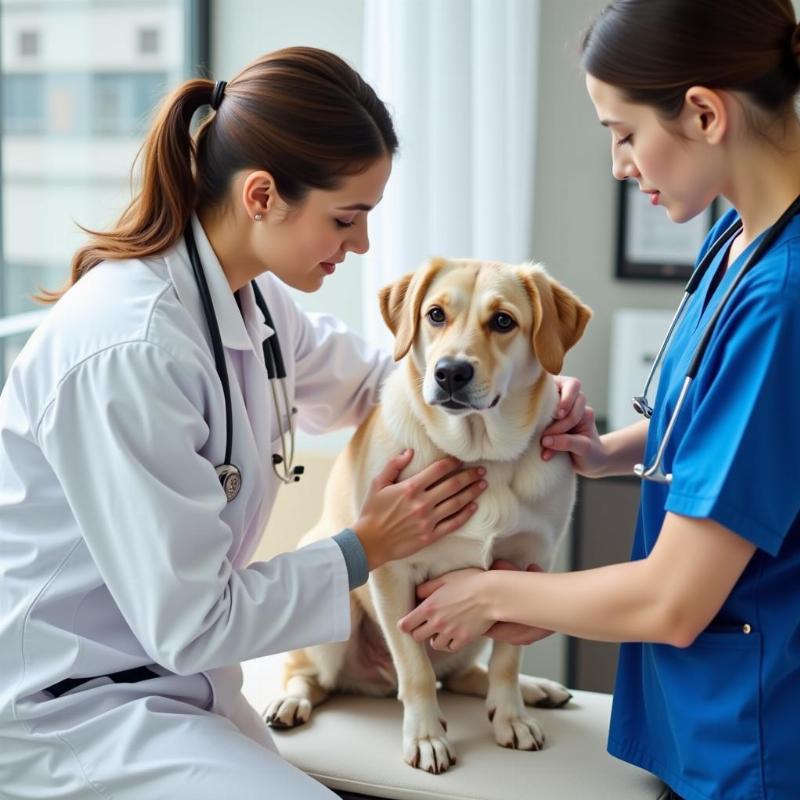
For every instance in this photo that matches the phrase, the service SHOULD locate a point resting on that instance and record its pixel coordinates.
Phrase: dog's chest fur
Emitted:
(520, 518)
(524, 510)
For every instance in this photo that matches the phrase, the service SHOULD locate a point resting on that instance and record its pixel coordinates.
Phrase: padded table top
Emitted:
(354, 744)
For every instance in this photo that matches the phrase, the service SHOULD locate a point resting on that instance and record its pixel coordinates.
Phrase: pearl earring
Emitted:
(257, 217)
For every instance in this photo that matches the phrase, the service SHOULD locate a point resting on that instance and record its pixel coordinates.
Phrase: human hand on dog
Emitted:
(454, 611)
(453, 614)
(569, 411)
(574, 430)
(399, 518)
(515, 632)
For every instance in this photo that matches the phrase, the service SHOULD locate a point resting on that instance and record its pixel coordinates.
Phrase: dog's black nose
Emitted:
(453, 374)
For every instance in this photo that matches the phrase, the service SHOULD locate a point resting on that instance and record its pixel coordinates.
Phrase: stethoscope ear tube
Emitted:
(216, 338)
(275, 366)
(655, 472)
(229, 475)
(640, 403)
(276, 370)
(769, 238)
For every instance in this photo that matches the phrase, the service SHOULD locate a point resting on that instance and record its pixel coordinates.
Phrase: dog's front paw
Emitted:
(515, 730)
(425, 745)
(287, 712)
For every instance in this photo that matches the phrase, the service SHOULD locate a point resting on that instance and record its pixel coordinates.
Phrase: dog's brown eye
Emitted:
(436, 316)
(503, 323)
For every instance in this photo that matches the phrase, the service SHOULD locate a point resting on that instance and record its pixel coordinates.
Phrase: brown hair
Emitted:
(654, 50)
(300, 113)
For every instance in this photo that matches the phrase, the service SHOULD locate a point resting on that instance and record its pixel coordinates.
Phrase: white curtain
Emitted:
(459, 77)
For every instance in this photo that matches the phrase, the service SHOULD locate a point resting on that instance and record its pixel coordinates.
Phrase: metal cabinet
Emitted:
(602, 533)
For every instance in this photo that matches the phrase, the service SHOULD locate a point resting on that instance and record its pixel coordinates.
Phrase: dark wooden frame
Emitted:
(627, 268)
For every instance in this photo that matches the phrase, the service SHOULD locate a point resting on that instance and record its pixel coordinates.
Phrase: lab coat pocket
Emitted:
(715, 712)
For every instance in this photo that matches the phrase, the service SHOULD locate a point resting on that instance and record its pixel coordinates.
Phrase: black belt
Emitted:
(125, 676)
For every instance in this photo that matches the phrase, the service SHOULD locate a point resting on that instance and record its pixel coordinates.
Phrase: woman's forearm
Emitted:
(624, 448)
(669, 597)
(617, 603)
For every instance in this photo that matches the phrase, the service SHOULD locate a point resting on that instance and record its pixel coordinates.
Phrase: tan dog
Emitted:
(479, 343)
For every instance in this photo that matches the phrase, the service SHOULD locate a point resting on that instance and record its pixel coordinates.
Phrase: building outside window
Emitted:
(148, 40)
(81, 79)
(29, 43)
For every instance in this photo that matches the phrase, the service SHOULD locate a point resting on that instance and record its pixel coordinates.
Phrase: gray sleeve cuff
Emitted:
(354, 557)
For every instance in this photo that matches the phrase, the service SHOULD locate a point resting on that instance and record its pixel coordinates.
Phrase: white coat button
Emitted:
(746, 628)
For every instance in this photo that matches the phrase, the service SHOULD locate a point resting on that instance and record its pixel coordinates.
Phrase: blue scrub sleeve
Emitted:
(738, 461)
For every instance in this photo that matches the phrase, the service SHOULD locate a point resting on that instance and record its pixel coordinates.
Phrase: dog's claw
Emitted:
(287, 712)
(517, 732)
(429, 751)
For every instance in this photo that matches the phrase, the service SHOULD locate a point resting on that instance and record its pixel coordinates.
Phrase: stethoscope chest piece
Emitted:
(231, 480)
(229, 475)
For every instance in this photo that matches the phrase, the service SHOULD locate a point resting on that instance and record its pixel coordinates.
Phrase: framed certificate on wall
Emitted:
(650, 245)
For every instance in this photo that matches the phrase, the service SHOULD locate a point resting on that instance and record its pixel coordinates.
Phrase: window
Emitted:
(77, 99)
(148, 41)
(29, 43)
(23, 104)
(122, 102)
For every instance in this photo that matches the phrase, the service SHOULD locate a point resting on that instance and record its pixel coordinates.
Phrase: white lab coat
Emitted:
(117, 546)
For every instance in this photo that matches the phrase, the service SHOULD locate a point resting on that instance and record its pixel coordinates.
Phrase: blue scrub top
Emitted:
(721, 719)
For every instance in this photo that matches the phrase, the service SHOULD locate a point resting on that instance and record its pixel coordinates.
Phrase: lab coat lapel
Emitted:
(231, 325)
(245, 331)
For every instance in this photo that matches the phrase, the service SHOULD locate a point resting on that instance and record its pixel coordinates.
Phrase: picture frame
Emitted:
(650, 246)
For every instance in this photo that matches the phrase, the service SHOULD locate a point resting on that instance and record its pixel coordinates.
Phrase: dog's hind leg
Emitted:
(303, 692)
(473, 681)
(538, 692)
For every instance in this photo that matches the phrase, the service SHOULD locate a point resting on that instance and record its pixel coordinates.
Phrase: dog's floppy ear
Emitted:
(400, 303)
(559, 318)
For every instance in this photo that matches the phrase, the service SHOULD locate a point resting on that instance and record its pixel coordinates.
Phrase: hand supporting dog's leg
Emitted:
(425, 743)
(512, 727)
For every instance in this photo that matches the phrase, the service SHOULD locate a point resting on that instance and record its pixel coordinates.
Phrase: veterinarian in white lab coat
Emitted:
(127, 596)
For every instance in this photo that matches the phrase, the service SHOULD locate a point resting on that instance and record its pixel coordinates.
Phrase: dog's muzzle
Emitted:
(452, 376)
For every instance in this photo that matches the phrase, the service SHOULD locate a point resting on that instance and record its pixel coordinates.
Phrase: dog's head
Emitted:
(476, 330)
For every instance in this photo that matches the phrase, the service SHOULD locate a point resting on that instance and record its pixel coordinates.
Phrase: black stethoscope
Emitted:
(655, 472)
(229, 474)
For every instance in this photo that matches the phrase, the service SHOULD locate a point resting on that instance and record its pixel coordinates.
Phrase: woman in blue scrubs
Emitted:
(699, 98)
